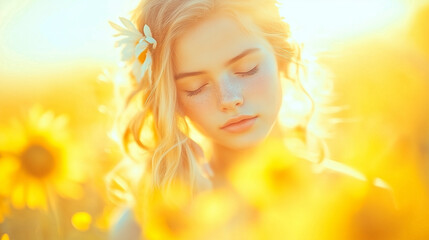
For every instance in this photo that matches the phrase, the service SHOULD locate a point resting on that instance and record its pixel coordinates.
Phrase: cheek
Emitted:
(199, 109)
(265, 87)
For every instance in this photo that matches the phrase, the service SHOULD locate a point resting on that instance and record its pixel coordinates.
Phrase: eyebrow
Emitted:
(229, 62)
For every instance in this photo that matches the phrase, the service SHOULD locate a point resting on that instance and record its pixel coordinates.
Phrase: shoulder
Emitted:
(126, 227)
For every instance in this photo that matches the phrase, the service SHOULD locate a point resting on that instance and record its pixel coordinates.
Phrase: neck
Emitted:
(224, 158)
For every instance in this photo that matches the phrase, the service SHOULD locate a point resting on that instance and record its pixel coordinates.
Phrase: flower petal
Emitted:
(128, 24)
(150, 40)
(127, 41)
(18, 196)
(127, 33)
(141, 46)
(8, 168)
(145, 66)
(147, 31)
(81, 221)
(116, 26)
(127, 54)
(5, 236)
(36, 197)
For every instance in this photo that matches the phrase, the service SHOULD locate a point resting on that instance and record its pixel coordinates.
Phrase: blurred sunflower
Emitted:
(268, 175)
(209, 215)
(38, 159)
(4, 208)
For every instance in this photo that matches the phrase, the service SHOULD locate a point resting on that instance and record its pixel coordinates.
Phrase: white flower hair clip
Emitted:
(135, 49)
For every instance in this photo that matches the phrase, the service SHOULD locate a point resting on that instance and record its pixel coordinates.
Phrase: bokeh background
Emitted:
(57, 107)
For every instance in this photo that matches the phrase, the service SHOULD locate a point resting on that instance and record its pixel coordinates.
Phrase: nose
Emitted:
(230, 94)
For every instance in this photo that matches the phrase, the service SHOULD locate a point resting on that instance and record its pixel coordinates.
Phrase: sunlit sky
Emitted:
(329, 21)
(36, 33)
(40, 32)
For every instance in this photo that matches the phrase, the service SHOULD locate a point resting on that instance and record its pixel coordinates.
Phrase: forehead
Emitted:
(211, 43)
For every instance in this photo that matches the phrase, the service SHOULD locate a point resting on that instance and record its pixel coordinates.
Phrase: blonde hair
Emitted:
(150, 112)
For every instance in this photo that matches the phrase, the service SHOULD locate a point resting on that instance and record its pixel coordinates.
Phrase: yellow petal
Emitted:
(81, 221)
(34, 115)
(8, 167)
(4, 210)
(36, 195)
(60, 123)
(12, 138)
(5, 237)
(18, 196)
(46, 120)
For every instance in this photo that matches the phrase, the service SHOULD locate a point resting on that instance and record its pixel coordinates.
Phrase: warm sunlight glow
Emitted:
(347, 158)
(324, 21)
(41, 34)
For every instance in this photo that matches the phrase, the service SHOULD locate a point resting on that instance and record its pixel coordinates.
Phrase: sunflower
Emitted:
(268, 174)
(37, 160)
(4, 209)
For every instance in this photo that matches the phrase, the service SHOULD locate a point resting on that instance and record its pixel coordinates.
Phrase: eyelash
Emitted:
(251, 72)
(248, 73)
(195, 92)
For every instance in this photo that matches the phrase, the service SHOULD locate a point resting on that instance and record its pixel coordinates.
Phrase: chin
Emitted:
(244, 141)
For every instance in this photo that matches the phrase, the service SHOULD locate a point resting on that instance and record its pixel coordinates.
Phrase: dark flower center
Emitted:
(37, 161)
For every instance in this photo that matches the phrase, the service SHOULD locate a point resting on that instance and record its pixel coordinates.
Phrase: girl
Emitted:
(221, 69)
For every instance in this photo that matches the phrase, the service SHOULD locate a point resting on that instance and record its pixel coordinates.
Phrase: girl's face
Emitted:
(227, 82)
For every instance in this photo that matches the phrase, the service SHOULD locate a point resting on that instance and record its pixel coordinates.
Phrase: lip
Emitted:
(239, 124)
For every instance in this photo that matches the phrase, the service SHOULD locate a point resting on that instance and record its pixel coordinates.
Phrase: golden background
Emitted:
(57, 108)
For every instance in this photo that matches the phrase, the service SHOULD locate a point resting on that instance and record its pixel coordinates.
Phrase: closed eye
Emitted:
(195, 92)
(250, 72)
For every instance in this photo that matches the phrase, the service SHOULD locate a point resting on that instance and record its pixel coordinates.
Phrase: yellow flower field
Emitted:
(59, 82)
